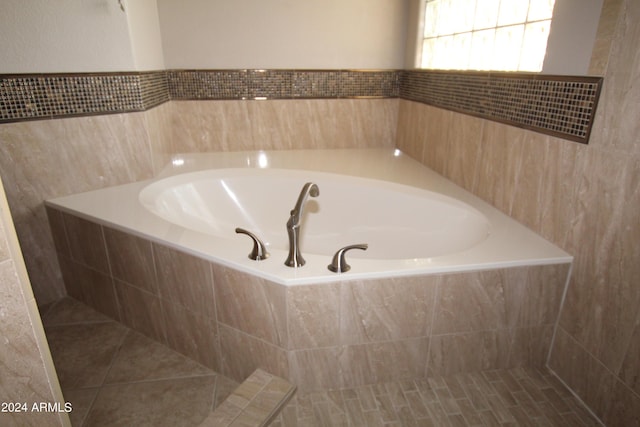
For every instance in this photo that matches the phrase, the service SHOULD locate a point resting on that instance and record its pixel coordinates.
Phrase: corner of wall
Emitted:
(25, 352)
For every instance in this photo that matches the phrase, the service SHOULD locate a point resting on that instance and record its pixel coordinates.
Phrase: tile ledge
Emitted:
(256, 402)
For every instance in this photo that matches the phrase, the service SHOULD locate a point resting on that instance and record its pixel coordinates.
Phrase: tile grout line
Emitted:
(101, 386)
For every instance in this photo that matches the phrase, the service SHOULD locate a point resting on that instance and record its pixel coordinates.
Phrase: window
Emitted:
(507, 35)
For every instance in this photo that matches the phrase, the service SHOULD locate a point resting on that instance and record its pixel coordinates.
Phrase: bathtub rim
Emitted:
(149, 194)
(104, 211)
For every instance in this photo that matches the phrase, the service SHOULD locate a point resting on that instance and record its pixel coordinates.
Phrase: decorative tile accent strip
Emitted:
(558, 105)
(38, 96)
(282, 84)
(562, 106)
(194, 84)
(154, 89)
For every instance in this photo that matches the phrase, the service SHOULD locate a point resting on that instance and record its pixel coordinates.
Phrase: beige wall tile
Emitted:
(318, 123)
(158, 127)
(581, 198)
(384, 361)
(410, 134)
(51, 158)
(279, 125)
(184, 279)
(616, 126)
(437, 129)
(630, 371)
(603, 297)
(39, 256)
(604, 37)
(584, 374)
(210, 126)
(431, 127)
(48, 158)
(141, 311)
(530, 178)
(58, 232)
(91, 287)
(4, 247)
(86, 243)
(313, 315)
(283, 124)
(73, 285)
(192, 334)
(547, 186)
(251, 304)
(26, 368)
(131, 259)
(534, 294)
(468, 352)
(386, 309)
(463, 155)
(98, 291)
(243, 354)
(471, 302)
(530, 346)
(499, 164)
(316, 369)
(499, 299)
(19, 355)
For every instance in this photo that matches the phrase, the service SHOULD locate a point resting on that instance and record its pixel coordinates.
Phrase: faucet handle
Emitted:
(339, 263)
(259, 251)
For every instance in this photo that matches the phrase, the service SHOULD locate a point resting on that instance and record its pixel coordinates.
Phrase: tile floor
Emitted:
(116, 377)
(516, 397)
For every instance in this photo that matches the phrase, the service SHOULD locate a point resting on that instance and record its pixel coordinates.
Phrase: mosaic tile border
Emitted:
(562, 106)
(44, 96)
(283, 84)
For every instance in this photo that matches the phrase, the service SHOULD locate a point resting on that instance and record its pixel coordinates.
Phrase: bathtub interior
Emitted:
(396, 221)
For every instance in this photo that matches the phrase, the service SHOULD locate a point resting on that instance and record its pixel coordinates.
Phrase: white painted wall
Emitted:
(63, 36)
(144, 32)
(313, 34)
(40, 36)
(571, 37)
(45, 36)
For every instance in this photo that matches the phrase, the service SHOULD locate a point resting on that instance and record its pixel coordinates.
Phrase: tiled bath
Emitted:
(352, 332)
(113, 375)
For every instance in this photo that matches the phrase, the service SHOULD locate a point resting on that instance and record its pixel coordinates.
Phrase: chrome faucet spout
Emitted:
(295, 259)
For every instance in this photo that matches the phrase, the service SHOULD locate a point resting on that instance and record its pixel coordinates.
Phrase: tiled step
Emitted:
(256, 402)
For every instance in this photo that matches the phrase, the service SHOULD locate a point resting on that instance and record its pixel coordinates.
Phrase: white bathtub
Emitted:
(414, 221)
(396, 221)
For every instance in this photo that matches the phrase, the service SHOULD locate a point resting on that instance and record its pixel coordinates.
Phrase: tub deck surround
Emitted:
(354, 328)
(507, 244)
(353, 332)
